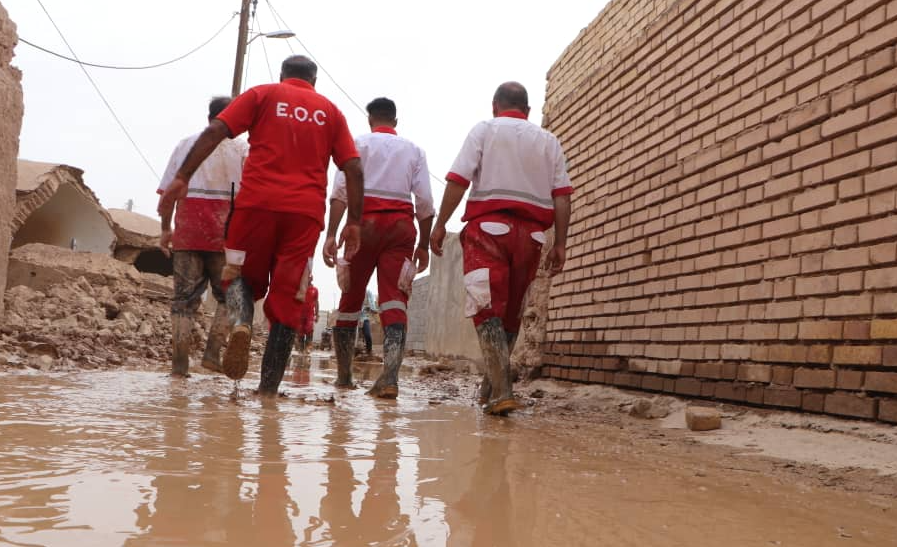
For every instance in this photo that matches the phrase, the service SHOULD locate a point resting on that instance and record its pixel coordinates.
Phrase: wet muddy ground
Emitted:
(134, 458)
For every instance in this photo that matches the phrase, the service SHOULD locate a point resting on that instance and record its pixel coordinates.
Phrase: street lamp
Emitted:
(275, 34)
(242, 42)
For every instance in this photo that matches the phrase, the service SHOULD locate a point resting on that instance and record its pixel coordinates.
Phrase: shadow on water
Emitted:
(136, 459)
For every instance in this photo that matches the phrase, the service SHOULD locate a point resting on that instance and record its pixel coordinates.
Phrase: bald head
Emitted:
(510, 96)
(299, 66)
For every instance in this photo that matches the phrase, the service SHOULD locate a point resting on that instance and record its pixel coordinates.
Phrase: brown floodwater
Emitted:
(136, 459)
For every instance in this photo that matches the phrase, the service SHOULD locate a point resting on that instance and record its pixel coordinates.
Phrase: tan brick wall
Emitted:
(10, 123)
(734, 233)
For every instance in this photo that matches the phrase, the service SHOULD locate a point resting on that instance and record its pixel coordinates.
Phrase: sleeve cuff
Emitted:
(457, 179)
(342, 161)
(562, 191)
(160, 191)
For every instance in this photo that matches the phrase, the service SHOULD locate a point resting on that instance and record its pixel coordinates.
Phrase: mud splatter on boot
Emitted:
(211, 358)
(387, 385)
(276, 358)
(494, 344)
(485, 385)
(181, 334)
(240, 310)
(343, 342)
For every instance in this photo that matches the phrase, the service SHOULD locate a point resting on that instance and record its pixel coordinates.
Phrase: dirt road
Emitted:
(134, 458)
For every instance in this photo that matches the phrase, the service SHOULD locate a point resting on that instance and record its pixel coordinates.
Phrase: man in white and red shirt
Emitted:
(395, 171)
(198, 241)
(519, 188)
(279, 212)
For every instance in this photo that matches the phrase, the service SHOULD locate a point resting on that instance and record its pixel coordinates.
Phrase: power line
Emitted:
(142, 67)
(330, 76)
(100, 93)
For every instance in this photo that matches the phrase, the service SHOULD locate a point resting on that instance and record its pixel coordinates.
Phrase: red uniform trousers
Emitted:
(278, 246)
(308, 311)
(387, 239)
(501, 257)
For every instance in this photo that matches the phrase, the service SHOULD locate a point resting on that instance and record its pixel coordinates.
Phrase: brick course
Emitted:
(734, 223)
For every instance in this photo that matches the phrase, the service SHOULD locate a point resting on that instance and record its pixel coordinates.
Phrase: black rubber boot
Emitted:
(181, 334)
(211, 358)
(240, 308)
(277, 356)
(494, 344)
(344, 342)
(486, 385)
(387, 385)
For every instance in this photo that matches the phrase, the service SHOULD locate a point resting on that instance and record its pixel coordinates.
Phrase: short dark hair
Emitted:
(217, 105)
(382, 108)
(511, 95)
(299, 66)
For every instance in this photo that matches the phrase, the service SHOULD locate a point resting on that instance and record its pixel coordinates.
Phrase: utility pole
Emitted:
(241, 48)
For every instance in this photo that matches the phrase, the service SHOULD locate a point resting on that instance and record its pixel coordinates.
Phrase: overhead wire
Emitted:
(264, 47)
(100, 93)
(135, 67)
(327, 73)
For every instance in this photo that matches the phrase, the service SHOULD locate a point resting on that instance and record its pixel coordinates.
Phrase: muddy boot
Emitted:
(277, 356)
(211, 358)
(239, 310)
(494, 344)
(387, 385)
(343, 342)
(486, 385)
(181, 334)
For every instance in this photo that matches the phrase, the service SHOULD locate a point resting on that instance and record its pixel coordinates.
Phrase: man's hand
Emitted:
(555, 260)
(175, 191)
(422, 258)
(351, 238)
(165, 242)
(330, 249)
(437, 238)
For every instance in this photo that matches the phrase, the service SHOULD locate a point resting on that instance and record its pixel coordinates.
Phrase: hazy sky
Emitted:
(440, 62)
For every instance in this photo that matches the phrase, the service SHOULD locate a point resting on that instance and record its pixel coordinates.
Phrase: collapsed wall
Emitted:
(10, 125)
(734, 233)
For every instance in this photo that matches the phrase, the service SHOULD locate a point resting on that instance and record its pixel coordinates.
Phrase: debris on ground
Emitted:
(702, 418)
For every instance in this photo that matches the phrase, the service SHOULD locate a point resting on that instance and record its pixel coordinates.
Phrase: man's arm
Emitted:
(337, 209)
(211, 136)
(422, 253)
(351, 234)
(451, 198)
(558, 253)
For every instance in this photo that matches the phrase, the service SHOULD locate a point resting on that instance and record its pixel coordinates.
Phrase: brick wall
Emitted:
(734, 233)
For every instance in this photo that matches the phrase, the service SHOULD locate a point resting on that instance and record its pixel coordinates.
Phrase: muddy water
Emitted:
(135, 459)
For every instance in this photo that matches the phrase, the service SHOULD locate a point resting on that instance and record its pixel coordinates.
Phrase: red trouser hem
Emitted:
(387, 239)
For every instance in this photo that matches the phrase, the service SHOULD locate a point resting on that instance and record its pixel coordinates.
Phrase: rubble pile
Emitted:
(94, 312)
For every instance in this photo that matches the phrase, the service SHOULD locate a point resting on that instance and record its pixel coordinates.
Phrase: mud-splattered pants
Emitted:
(193, 272)
(501, 257)
(276, 249)
(387, 239)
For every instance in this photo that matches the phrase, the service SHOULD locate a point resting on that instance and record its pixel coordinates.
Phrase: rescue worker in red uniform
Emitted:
(519, 187)
(197, 243)
(279, 212)
(309, 316)
(395, 170)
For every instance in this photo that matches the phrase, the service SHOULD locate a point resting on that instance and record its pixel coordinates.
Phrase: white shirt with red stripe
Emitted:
(200, 217)
(395, 169)
(511, 165)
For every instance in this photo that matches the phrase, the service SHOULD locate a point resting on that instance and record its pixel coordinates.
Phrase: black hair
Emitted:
(382, 108)
(217, 105)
